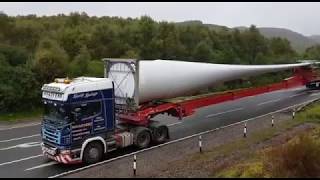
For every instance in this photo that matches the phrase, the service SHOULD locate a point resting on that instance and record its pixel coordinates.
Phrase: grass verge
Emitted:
(21, 116)
(298, 157)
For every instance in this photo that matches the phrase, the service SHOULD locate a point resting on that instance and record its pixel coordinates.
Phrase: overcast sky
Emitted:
(300, 17)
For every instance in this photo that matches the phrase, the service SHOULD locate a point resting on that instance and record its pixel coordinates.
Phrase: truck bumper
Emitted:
(64, 158)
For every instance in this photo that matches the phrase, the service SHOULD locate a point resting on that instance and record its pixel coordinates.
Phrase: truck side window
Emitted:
(92, 109)
(86, 110)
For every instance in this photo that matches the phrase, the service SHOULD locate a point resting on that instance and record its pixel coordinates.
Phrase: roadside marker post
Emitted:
(134, 164)
(200, 144)
(245, 130)
(272, 121)
(293, 113)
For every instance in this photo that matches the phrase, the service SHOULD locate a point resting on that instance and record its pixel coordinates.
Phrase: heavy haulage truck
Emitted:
(85, 117)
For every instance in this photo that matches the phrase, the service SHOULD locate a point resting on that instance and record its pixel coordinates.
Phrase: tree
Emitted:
(69, 45)
(202, 52)
(105, 42)
(131, 54)
(14, 55)
(79, 66)
(6, 24)
(312, 52)
(19, 89)
(70, 41)
(50, 61)
(168, 42)
(254, 43)
(146, 38)
(26, 33)
(281, 50)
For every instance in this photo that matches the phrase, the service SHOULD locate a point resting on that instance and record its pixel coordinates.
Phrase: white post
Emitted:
(200, 144)
(245, 130)
(272, 121)
(134, 164)
(293, 113)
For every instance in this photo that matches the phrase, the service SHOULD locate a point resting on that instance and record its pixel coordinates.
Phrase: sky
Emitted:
(301, 17)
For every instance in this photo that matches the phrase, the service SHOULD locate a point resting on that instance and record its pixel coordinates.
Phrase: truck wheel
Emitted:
(161, 134)
(93, 153)
(143, 139)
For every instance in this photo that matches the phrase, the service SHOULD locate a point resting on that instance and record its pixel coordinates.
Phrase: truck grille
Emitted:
(51, 134)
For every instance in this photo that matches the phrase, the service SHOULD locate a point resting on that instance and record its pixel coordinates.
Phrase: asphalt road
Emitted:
(20, 152)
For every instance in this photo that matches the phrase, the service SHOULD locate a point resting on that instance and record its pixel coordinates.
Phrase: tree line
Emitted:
(35, 50)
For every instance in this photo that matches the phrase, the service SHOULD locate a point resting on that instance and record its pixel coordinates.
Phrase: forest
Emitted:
(34, 50)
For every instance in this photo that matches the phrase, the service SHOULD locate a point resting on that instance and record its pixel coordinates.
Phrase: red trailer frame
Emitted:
(182, 109)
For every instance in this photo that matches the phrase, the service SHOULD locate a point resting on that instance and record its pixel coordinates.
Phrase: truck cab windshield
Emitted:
(56, 113)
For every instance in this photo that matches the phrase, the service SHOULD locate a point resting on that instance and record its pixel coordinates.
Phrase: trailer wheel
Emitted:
(93, 153)
(161, 134)
(143, 139)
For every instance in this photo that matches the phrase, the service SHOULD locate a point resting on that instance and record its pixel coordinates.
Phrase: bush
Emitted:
(311, 114)
(297, 158)
(19, 89)
(95, 69)
(247, 170)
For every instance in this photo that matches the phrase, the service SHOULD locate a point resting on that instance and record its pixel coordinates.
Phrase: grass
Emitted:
(252, 163)
(251, 169)
(296, 158)
(310, 114)
(299, 157)
(21, 116)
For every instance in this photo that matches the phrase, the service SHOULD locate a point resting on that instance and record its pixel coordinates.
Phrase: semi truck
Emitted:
(86, 117)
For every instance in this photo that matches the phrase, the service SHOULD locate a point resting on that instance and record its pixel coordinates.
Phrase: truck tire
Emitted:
(160, 134)
(93, 153)
(143, 139)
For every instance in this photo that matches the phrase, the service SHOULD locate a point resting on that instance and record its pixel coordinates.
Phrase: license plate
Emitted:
(49, 151)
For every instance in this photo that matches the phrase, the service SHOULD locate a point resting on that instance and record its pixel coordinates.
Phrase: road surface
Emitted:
(20, 152)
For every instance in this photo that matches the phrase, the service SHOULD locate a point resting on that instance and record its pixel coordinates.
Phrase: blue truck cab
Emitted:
(78, 119)
(82, 117)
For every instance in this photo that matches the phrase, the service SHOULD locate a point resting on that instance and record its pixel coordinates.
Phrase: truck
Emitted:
(86, 117)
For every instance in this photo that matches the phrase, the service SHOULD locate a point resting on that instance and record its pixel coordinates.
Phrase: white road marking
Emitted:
(315, 94)
(267, 102)
(22, 126)
(174, 124)
(297, 95)
(217, 114)
(42, 166)
(15, 139)
(19, 160)
(174, 141)
(24, 145)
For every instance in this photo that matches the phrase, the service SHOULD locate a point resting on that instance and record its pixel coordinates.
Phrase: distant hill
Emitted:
(196, 22)
(298, 41)
(315, 38)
